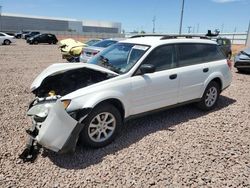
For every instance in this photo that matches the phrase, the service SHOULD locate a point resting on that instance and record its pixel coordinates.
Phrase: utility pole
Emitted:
(182, 11)
(198, 27)
(234, 34)
(0, 18)
(222, 28)
(248, 36)
(154, 19)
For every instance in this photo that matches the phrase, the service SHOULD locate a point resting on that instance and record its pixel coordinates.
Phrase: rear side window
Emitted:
(191, 54)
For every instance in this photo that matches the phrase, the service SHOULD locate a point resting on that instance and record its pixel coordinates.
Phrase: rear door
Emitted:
(194, 62)
(159, 89)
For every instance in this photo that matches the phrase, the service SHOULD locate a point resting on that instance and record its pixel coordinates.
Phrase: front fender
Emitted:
(91, 100)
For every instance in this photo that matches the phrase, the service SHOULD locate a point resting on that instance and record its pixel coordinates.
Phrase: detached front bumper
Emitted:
(53, 126)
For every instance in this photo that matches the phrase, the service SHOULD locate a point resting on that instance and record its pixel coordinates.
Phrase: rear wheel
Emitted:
(101, 126)
(210, 97)
(6, 42)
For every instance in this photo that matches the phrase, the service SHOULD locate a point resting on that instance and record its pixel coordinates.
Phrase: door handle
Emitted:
(205, 69)
(173, 76)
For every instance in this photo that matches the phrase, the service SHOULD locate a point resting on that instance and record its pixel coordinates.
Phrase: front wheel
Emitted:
(6, 42)
(101, 126)
(210, 97)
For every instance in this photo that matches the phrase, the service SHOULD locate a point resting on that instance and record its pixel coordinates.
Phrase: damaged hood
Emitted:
(59, 68)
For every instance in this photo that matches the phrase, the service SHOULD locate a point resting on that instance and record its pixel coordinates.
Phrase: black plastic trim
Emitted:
(161, 109)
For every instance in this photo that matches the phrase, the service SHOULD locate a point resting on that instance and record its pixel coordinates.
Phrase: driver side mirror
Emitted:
(147, 68)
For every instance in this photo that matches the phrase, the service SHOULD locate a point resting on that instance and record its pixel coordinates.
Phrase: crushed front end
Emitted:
(52, 127)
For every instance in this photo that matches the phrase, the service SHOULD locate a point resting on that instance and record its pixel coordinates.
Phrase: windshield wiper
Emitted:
(105, 62)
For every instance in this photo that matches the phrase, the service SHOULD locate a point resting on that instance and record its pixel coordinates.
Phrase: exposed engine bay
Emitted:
(69, 81)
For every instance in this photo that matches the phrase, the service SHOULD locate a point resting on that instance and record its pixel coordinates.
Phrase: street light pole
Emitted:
(182, 10)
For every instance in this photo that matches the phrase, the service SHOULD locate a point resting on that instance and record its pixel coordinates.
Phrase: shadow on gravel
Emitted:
(133, 131)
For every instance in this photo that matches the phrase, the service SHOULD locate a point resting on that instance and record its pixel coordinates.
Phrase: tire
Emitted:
(54, 42)
(210, 97)
(103, 118)
(6, 42)
(35, 42)
(241, 70)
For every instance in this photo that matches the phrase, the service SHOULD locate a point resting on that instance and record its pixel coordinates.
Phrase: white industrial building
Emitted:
(16, 22)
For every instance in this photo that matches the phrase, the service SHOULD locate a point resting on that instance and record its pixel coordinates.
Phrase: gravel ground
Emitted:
(175, 148)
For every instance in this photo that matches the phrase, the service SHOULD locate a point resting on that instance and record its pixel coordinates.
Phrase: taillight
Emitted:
(229, 63)
(94, 53)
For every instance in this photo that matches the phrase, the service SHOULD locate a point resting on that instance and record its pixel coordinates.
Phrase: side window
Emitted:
(162, 58)
(191, 54)
(1, 35)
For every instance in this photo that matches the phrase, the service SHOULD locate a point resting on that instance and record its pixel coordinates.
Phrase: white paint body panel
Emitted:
(56, 129)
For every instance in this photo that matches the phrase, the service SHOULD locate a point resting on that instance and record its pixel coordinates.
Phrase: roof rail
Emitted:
(164, 36)
(147, 35)
(183, 36)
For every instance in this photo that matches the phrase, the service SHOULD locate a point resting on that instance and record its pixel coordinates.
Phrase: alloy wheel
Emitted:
(211, 96)
(102, 127)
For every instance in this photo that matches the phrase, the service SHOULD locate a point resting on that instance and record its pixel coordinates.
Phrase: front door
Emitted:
(159, 89)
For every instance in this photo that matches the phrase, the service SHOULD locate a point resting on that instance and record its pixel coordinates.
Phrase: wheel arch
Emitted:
(6, 40)
(215, 77)
(116, 103)
(218, 81)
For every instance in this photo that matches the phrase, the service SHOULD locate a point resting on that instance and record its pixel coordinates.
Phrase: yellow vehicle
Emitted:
(71, 49)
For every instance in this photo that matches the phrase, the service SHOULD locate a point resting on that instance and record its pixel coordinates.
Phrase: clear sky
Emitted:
(224, 15)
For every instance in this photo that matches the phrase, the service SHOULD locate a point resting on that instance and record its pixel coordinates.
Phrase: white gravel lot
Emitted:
(181, 147)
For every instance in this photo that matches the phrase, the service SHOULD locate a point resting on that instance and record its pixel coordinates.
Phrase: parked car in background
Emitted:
(242, 61)
(43, 38)
(225, 45)
(6, 39)
(24, 34)
(31, 34)
(19, 34)
(91, 51)
(134, 77)
(92, 42)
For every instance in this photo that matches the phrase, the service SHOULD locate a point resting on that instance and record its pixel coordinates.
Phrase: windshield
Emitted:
(120, 57)
(105, 43)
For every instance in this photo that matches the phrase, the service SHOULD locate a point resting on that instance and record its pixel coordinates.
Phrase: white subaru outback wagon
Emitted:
(142, 74)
